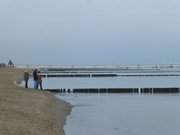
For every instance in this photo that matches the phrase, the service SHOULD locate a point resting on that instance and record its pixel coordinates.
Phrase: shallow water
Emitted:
(123, 114)
(120, 114)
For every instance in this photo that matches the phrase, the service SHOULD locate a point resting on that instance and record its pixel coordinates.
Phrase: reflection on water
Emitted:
(123, 114)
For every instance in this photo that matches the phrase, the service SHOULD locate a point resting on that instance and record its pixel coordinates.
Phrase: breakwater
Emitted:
(117, 90)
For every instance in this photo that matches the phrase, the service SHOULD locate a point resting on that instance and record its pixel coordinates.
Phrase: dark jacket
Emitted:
(35, 77)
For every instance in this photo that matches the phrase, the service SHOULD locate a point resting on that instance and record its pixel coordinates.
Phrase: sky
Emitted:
(90, 32)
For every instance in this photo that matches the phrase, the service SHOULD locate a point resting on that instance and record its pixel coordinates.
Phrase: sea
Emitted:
(120, 114)
(110, 82)
(123, 114)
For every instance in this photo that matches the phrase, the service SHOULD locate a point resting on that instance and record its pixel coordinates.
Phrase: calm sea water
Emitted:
(120, 114)
(110, 82)
(123, 114)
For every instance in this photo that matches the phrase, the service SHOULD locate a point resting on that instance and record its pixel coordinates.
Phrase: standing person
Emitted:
(35, 77)
(39, 76)
(10, 63)
(26, 78)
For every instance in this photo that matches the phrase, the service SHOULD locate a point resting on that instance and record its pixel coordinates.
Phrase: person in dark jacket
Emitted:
(39, 76)
(35, 77)
(26, 78)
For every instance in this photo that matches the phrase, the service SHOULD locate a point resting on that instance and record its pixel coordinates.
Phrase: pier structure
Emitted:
(105, 70)
(160, 67)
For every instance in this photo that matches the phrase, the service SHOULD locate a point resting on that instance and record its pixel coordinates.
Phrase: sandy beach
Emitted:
(27, 111)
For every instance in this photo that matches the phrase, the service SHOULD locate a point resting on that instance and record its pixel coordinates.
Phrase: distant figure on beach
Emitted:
(26, 78)
(35, 77)
(10, 63)
(39, 76)
(2, 65)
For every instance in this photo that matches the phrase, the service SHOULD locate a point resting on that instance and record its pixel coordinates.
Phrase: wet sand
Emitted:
(27, 111)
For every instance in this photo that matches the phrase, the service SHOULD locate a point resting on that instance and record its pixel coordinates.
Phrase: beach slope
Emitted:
(26, 111)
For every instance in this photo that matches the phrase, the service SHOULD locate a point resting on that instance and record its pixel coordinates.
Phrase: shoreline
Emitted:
(26, 111)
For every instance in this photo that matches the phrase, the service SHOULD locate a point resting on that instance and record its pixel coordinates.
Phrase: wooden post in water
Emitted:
(139, 91)
(152, 90)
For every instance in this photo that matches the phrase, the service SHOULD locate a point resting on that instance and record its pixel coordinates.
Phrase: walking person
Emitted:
(39, 77)
(26, 78)
(35, 77)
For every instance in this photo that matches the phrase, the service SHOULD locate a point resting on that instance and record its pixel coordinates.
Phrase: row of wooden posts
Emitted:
(117, 90)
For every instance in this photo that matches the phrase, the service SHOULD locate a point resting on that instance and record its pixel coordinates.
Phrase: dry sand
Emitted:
(27, 111)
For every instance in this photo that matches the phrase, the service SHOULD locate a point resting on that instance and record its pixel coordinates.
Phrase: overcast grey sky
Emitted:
(88, 32)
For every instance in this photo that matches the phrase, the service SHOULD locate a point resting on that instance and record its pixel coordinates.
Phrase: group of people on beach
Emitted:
(37, 77)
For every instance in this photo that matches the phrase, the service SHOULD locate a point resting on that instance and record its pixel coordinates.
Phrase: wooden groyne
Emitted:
(108, 75)
(108, 90)
(77, 75)
(117, 90)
